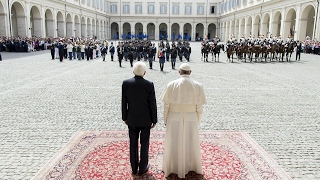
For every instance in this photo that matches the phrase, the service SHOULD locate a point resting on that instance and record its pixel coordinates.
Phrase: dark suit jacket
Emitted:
(139, 106)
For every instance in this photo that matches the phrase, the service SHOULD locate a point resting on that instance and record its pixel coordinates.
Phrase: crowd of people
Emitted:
(130, 50)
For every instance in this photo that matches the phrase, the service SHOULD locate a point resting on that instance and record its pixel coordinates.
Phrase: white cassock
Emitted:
(183, 100)
(56, 50)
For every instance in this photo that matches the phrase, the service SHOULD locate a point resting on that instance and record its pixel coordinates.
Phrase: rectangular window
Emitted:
(175, 9)
(113, 8)
(225, 6)
(88, 2)
(126, 9)
(83, 1)
(238, 2)
(213, 9)
(200, 9)
(93, 3)
(150, 9)
(188, 9)
(138, 9)
(244, 1)
(163, 9)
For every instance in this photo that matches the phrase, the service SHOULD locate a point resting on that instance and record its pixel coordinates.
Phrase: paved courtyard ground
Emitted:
(44, 102)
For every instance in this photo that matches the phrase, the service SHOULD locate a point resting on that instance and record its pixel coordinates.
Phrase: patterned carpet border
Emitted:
(102, 155)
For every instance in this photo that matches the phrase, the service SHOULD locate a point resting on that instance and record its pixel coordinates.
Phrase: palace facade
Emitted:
(155, 19)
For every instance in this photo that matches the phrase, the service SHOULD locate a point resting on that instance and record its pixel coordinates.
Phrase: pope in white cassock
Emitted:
(183, 100)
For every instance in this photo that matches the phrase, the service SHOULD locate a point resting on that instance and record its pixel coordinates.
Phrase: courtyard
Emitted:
(44, 102)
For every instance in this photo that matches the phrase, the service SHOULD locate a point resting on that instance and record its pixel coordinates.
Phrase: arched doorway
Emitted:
(138, 30)
(242, 29)
(236, 29)
(126, 32)
(93, 33)
(83, 27)
(307, 23)
(289, 23)
(212, 31)
(60, 25)
(276, 24)
(175, 31)
(77, 28)
(89, 28)
(187, 31)
(3, 28)
(232, 28)
(256, 26)
(35, 22)
(98, 31)
(151, 31)
(199, 32)
(163, 31)
(114, 30)
(49, 23)
(249, 27)
(69, 26)
(18, 20)
(265, 25)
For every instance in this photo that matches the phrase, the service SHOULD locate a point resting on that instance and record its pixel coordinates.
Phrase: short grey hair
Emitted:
(139, 68)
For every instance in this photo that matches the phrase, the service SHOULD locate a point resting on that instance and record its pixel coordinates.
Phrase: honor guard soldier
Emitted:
(111, 50)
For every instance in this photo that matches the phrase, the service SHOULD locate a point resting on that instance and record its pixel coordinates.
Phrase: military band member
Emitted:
(111, 50)
(61, 51)
(131, 54)
(52, 49)
(78, 49)
(187, 52)
(150, 55)
(103, 52)
(167, 49)
(83, 47)
(174, 54)
(161, 56)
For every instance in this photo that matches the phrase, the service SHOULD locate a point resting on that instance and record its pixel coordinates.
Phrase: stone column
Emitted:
(133, 30)
(145, 29)
(156, 31)
(282, 23)
(194, 31)
(297, 24)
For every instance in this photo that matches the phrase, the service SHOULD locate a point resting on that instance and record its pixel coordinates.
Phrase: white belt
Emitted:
(182, 108)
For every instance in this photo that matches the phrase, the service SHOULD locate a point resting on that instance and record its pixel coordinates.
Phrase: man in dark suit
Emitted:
(139, 112)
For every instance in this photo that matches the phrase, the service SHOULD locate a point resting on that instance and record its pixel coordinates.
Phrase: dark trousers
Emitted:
(82, 55)
(131, 60)
(52, 54)
(298, 55)
(144, 142)
(79, 55)
(61, 56)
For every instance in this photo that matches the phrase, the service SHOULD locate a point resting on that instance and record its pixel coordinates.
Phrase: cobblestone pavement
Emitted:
(44, 102)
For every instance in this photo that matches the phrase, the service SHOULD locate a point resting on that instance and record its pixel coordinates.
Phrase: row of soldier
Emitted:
(145, 49)
(127, 50)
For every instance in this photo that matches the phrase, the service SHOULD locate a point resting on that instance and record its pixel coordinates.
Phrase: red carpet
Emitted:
(105, 156)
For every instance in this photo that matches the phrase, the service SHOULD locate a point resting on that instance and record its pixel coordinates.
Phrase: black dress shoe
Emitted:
(134, 172)
(145, 171)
